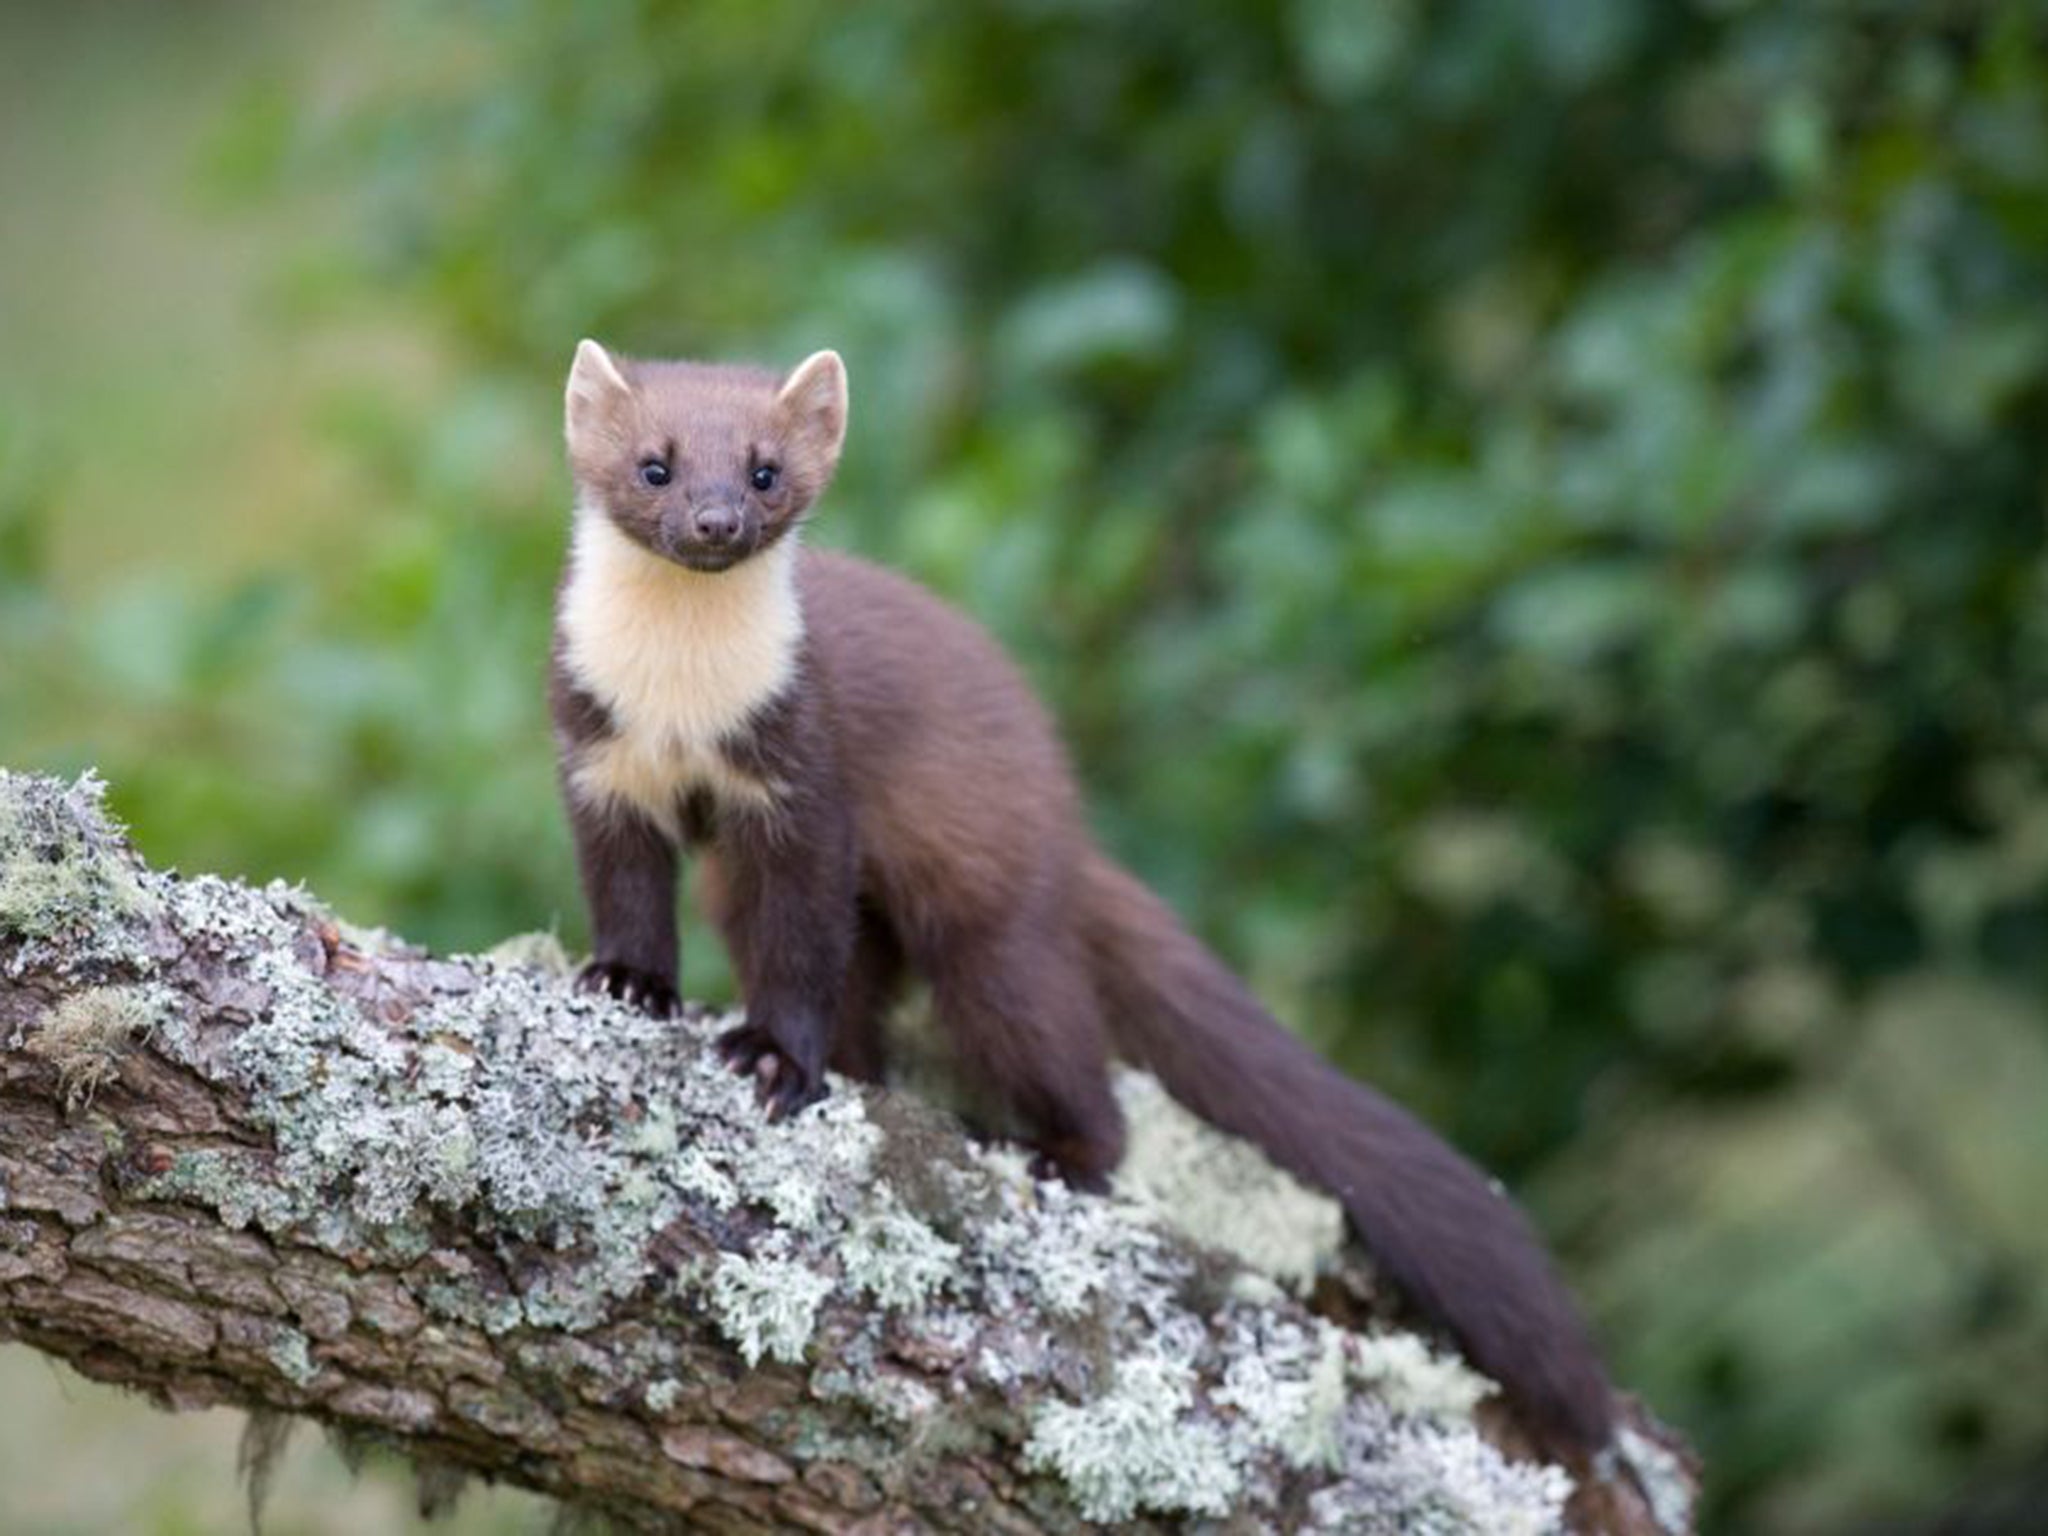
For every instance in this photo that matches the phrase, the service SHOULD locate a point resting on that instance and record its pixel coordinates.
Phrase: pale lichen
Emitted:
(892, 1256)
(767, 1306)
(538, 951)
(1221, 1191)
(1289, 1389)
(1414, 1477)
(1413, 1378)
(62, 869)
(236, 1184)
(1137, 1446)
(811, 1166)
(1662, 1476)
(577, 1138)
(857, 1372)
(290, 1351)
(84, 1034)
(1066, 1248)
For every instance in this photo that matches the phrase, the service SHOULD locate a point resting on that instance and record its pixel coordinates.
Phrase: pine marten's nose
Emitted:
(715, 525)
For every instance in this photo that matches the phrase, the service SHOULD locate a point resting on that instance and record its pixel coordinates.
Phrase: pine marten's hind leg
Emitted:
(1022, 1011)
(873, 982)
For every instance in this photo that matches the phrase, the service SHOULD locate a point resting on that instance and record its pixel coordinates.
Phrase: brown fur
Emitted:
(923, 819)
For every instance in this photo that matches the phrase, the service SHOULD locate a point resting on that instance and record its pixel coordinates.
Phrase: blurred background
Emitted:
(1534, 517)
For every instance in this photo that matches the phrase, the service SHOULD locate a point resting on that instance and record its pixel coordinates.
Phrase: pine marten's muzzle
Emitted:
(708, 537)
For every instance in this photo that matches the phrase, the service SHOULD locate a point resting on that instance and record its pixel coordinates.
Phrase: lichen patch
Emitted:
(85, 1034)
(63, 869)
(931, 1292)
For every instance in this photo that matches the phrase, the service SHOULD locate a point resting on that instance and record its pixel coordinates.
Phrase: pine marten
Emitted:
(872, 790)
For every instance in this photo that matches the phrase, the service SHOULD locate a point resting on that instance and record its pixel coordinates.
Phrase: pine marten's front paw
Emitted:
(784, 1083)
(651, 994)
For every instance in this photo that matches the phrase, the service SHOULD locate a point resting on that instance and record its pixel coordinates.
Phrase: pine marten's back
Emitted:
(956, 772)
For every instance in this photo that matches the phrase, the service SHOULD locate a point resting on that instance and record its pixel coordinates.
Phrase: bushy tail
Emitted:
(1443, 1232)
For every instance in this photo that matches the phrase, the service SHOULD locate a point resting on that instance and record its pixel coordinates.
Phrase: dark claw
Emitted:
(653, 995)
(782, 1085)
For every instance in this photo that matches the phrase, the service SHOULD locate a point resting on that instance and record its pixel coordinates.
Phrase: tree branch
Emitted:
(251, 1155)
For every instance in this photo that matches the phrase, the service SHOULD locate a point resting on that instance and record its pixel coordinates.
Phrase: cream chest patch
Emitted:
(681, 659)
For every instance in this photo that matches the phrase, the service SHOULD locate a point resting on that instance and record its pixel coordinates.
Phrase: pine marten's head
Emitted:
(703, 464)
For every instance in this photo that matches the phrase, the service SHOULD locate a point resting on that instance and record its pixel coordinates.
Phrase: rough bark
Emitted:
(249, 1155)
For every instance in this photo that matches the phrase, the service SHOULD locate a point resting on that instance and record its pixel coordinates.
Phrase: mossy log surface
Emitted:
(251, 1155)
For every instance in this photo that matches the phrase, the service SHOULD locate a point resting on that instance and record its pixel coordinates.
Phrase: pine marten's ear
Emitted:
(813, 398)
(596, 389)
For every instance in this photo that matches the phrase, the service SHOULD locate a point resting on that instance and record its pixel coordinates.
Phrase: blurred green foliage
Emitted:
(1535, 518)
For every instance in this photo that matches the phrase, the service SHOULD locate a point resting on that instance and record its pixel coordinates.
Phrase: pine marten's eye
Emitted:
(763, 477)
(653, 472)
